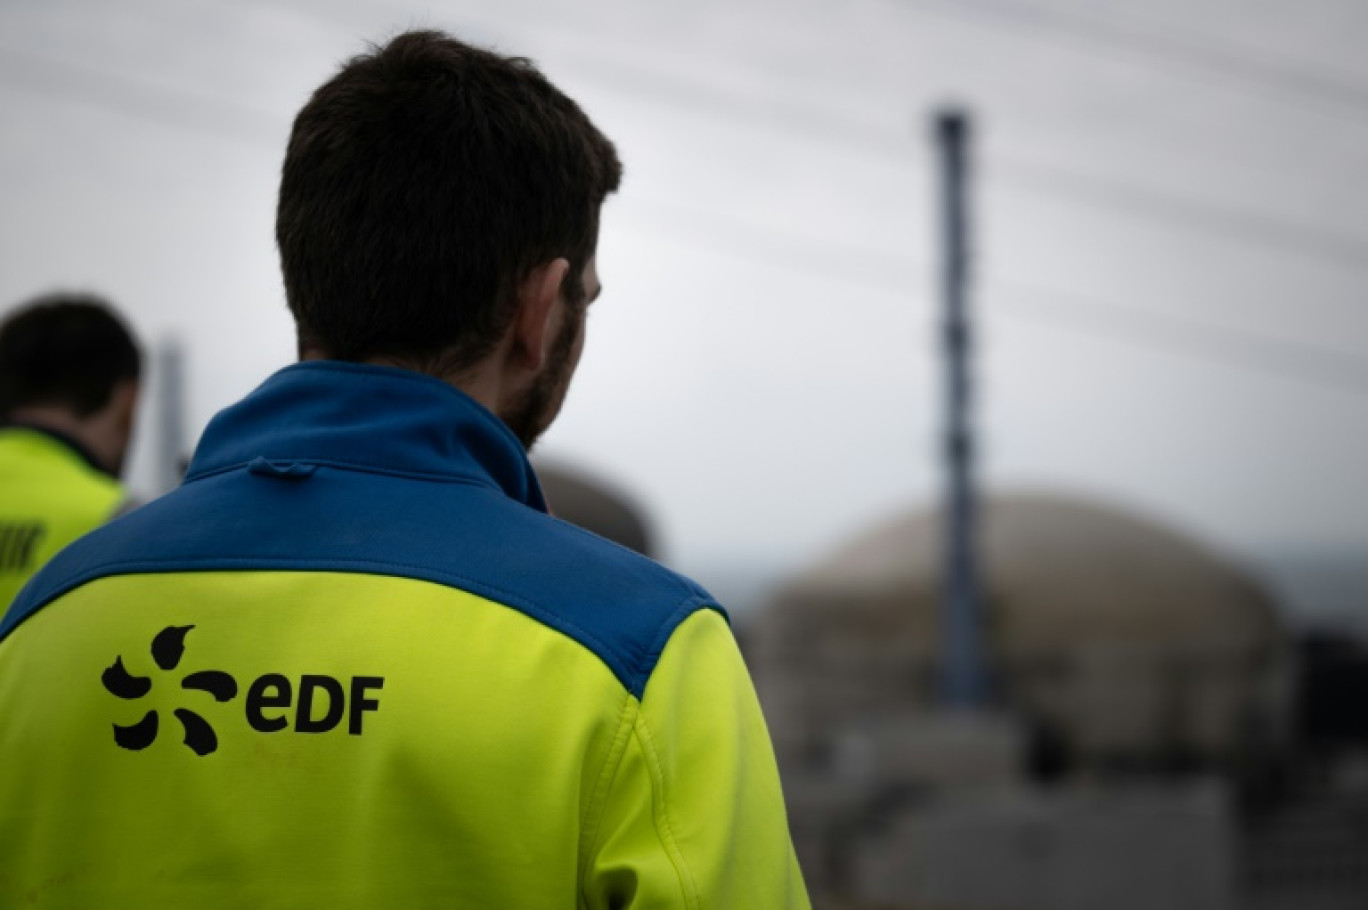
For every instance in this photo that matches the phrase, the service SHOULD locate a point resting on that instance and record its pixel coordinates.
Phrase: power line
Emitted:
(1184, 48)
(1177, 335)
(140, 99)
(895, 276)
(165, 106)
(1134, 201)
(853, 263)
(783, 248)
(1181, 212)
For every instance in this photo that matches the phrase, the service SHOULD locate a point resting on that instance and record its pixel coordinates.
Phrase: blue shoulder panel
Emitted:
(459, 533)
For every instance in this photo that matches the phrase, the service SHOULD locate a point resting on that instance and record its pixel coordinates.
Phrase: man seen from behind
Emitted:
(351, 661)
(69, 379)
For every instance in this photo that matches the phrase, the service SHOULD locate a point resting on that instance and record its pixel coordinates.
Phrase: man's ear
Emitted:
(108, 432)
(125, 403)
(532, 327)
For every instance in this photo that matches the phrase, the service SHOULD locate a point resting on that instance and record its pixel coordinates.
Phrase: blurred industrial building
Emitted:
(1158, 734)
(1144, 745)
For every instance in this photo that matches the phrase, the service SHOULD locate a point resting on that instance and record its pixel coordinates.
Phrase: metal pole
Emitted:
(170, 415)
(964, 680)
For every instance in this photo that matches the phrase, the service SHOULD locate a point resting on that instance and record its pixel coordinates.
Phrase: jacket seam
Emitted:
(691, 605)
(247, 564)
(661, 812)
(598, 801)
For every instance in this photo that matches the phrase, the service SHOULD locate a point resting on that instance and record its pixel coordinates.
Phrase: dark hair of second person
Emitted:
(64, 350)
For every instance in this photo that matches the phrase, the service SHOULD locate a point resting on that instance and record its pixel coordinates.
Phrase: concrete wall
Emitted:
(1151, 849)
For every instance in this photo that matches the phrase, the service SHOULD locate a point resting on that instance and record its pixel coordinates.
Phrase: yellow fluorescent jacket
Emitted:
(351, 662)
(50, 494)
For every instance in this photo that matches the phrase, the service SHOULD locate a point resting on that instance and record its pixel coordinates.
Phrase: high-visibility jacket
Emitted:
(50, 494)
(352, 662)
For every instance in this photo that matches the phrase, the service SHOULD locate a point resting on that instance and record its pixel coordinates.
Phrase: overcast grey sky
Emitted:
(1171, 213)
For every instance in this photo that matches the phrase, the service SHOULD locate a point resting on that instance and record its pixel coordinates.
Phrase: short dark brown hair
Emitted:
(65, 349)
(422, 183)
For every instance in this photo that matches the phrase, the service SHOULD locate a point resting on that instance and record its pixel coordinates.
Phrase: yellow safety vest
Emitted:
(352, 663)
(49, 496)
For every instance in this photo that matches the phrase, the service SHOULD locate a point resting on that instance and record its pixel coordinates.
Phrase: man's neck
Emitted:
(66, 426)
(483, 381)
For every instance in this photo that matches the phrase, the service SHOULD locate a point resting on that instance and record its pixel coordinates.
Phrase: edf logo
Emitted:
(319, 704)
(273, 692)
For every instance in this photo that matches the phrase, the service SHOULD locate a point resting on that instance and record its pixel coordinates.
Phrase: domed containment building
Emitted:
(1122, 643)
(595, 505)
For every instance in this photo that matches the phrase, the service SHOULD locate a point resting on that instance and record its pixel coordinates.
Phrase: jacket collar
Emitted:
(79, 451)
(368, 418)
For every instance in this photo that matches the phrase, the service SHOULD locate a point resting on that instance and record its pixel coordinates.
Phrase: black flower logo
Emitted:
(167, 649)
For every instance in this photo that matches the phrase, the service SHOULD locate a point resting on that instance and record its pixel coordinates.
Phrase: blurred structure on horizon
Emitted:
(1126, 644)
(592, 503)
(1142, 748)
(168, 429)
